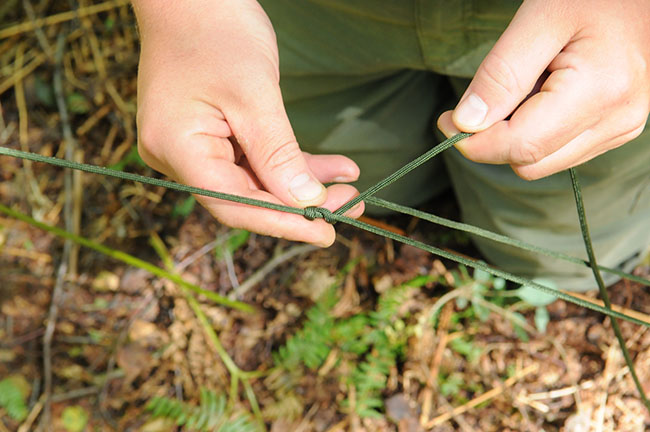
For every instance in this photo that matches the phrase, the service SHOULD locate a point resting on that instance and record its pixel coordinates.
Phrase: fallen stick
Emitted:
(60, 17)
(631, 312)
(482, 398)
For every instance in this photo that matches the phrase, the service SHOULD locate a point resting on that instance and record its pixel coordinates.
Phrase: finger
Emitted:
(197, 166)
(332, 168)
(510, 70)
(561, 111)
(338, 195)
(586, 146)
(261, 126)
(446, 124)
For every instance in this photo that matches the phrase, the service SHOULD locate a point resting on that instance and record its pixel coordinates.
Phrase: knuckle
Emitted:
(636, 122)
(500, 74)
(620, 89)
(525, 173)
(526, 153)
(281, 155)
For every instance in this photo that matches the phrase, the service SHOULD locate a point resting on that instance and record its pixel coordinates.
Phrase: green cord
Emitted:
(446, 144)
(480, 232)
(584, 227)
(319, 212)
(312, 213)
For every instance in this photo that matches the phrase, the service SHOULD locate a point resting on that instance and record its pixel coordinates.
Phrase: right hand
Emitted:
(210, 115)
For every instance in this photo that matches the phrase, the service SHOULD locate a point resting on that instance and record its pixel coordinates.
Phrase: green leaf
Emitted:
(44, 92)
(461, 303)
(77, 103)
(236, 239)
(481, 312)
(541, 319)
(13, 391)
(535, 297)
(499, 284)
(74, 418)
(482, 276)
(132, 157)
(467, 348)
(521, 333)
(184, 208)
(451, 385)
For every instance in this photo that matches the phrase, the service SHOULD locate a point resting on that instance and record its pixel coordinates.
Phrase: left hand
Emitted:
(566, 82)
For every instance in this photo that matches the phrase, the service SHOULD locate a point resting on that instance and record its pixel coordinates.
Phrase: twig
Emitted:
(127, 259)
(3, 428)
(33, 415)
(40, 35)
(462, 423)
(631, 312)
(230, 267)
(267, 268)
(21, 72)
(91, 121)
(490, 394)
(49, 333)
(566, 391)
(6, 7)
(612, 364)
(236, 374)
(72, 208)
(29, 254)
(67, 246)
(23, 132)
(443, 337)
(60, 17)
(19, 340)
(198, 254)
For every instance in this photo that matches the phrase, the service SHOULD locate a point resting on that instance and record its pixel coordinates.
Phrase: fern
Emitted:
(372, 342)
(12, 399)
(211, 415)
(311, 345)
(288, 407)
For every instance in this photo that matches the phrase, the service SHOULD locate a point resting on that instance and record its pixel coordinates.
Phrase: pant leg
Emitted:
(354, 83)
(616, 185)
(616, 193)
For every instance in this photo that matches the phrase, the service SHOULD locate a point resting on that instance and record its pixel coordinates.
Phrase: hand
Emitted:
(210, 114)
(582, 70)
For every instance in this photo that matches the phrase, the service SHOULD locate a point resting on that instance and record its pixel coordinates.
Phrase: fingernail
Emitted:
(471, 112)
(448, 130)
(305, 188)
(343, 179)
(354, 209)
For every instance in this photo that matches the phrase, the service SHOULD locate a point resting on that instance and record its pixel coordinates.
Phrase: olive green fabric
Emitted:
(368, 78)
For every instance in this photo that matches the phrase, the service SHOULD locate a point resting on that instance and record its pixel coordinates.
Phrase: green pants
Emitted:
(368, 78)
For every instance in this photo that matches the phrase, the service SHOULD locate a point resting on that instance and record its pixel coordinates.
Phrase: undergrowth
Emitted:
(363, 348)
(12, 398)
(212, 414)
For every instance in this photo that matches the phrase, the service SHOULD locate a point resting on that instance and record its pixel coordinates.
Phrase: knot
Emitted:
(312, 213)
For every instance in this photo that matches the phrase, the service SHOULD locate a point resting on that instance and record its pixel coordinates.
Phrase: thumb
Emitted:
(261, 126)
(511, 69)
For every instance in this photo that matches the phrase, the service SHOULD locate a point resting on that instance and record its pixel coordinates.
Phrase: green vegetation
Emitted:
(212, 414)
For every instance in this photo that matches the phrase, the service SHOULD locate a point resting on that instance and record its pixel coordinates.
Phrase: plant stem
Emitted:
(128, 259)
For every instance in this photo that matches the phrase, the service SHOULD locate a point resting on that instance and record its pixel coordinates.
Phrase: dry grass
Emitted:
(122, 336)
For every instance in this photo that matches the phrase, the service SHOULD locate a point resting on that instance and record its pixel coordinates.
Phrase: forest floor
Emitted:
(367, 335)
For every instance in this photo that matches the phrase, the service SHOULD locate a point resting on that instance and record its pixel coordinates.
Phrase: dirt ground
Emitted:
(89, 339)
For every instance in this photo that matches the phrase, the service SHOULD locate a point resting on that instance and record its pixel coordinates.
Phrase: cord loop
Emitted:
(313, 213)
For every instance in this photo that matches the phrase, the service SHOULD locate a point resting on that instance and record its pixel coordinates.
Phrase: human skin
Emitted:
(210, 115)
(582, 70)
(210, 112)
